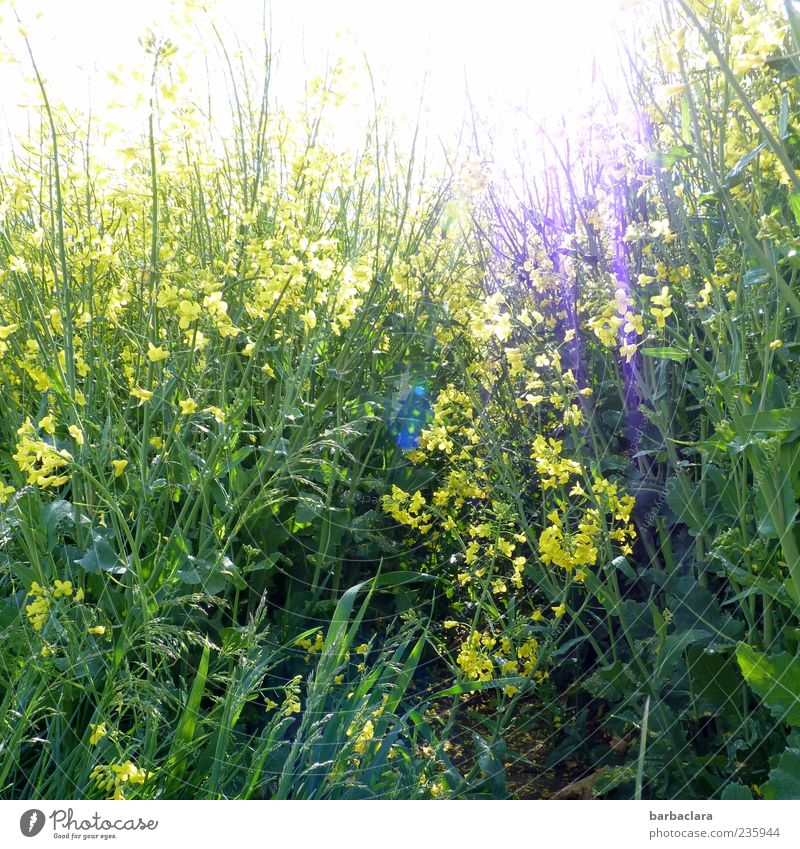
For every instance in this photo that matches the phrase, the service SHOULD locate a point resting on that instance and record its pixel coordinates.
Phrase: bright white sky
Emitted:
(523, 54)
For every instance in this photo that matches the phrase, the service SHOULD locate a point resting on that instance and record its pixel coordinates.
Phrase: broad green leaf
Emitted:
(781, 420)
(101, 557)
(736, 791)
(716, 682)
(610, 682)
(784, 779)
(53, 516)
(687, 506)
(309, 507)
(490, 762)
(775, 679)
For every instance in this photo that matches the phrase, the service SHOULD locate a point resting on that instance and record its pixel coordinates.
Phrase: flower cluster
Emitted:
(484, 656)
(43, 597)
(41, 461)
(115, 778)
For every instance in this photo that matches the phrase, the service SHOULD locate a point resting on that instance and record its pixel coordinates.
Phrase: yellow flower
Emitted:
(218, 414)
(119, 467)
(537, 616)
(37, 611)
(142, 394)
(98, 630)
(662, 309)
(188, 406)
(633, 323)
(560, 610)
(661, 228)
(76, 433)
(48, 423)
(499, 586)
(5, 491)
(62, 588)
(98, 732)
(628, 351)
(167, 296)
(188, 313)
(130, 772)
(156, 354)
(364, 736)
(775, 344)
(662, 300)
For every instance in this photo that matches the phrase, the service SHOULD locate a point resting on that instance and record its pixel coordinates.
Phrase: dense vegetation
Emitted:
(331, 473)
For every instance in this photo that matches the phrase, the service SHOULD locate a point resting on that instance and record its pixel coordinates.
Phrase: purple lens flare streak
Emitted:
(634, 419)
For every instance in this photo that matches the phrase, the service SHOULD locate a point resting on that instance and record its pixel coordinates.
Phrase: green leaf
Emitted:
(621, 565)
(478, 686)
(794, 203)
(784, 779)
(775, 679)
(53, 516)
(337, 630)
(686, 506)
(187, 724)
(309, 507)
(738, 173)
(736, 791)
(213, 577)
(674, 646)
(716, 682)
(674, 354)
(610, 682)
(782, 420)
(783, 118)
(666, 159)
(696, 607)
(755, 276)
(490, 762)
(405, 676)
(101, 557)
